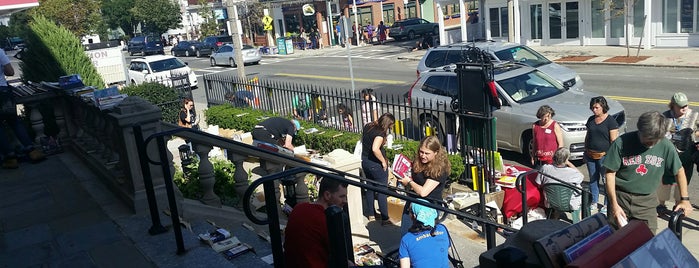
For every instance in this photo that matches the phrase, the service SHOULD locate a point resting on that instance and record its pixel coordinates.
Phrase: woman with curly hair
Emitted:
(430, 171)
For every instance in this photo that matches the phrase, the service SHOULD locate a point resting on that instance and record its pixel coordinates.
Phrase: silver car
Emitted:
(225, 55)
(500, 52)
(522, 90)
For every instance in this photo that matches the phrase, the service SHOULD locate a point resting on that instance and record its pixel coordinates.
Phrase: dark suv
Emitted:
(409, 28)
(147, 44)
(217, 41)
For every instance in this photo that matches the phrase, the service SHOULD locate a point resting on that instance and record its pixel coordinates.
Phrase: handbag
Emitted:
(594, 155)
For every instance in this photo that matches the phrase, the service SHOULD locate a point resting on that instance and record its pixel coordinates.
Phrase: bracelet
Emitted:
(684, 198)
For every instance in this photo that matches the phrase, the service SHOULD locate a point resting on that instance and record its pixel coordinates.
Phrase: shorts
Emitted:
(638, 207)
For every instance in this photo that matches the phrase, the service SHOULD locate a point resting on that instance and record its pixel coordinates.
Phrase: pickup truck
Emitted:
(409, 28)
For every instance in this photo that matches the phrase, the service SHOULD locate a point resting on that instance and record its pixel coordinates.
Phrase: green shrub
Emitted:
(226, 116)
(53, 51)
(160, 95)
(224, 186)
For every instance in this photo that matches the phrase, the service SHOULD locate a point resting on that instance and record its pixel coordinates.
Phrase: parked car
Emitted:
(145, 44)
(159, 68)
(225, 56)
(13, 43)
(191, 48)
(500, 52)
(410, 28)
(218, 41)
(522, 90)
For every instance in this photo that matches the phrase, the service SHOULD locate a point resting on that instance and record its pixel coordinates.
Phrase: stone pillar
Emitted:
(240, 175)
(206, 175)
(130, 112)
(347, 162)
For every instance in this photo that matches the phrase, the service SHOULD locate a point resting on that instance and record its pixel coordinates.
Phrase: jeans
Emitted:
(375, 172)
(20, 132)
(596, 171)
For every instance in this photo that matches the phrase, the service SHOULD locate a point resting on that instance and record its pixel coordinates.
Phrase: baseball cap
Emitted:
(680, 99)
(424, 214)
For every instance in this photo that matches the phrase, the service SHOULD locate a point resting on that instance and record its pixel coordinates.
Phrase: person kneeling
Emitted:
(427, 243)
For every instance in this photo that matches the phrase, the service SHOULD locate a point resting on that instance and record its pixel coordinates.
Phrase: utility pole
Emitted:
(234, 25)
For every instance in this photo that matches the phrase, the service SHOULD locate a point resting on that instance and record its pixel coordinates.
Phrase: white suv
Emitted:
(522, 90)
(159, 68)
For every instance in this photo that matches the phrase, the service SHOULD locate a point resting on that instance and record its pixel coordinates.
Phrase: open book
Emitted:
(401, 166)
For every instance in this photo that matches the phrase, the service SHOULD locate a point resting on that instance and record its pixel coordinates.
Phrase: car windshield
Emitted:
(530, 87)
(166, 64)
(522, 54)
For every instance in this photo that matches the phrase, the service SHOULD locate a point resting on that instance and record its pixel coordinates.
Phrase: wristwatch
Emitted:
(684, 198)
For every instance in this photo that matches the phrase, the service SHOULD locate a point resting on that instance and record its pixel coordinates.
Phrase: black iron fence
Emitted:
(323, 104)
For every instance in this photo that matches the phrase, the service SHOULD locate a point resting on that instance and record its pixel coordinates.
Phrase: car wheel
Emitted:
(130, 53)
(429, 126)
(527, 146)
(212, 61)
(186, 53)
(411, 35)
(256, 63)
(198, 54)
(231, 62)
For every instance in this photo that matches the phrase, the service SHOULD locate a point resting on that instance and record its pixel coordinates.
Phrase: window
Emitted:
(410, 10)
(597, 18)
(686, 16)
(389, 14)
(617, 19)
(535, 17)
(434, 84)
(670, 16)
(498, 22)
(638, 18)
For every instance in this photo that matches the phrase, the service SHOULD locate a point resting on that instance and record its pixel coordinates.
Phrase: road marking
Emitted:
(343, 78)
(645, 100)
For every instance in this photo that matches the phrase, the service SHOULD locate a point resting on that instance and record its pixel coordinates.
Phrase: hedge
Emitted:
(325, 140)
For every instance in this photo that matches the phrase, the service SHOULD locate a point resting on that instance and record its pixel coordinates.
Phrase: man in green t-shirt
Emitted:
(635, 163)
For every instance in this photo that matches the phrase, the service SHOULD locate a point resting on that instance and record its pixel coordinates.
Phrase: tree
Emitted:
(54, 51)
(117, 14)
(82, 17)
(627, 12)
(209, 26)
(157, 16)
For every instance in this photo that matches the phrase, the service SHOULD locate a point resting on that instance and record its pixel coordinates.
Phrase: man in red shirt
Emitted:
(306, 242)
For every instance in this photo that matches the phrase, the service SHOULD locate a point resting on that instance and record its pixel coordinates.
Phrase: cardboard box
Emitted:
(395, 209)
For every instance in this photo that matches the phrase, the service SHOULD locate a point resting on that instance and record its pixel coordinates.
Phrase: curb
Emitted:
(625, 64)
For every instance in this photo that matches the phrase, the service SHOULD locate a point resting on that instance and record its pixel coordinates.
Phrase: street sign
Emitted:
(267, 27)
(267, 21)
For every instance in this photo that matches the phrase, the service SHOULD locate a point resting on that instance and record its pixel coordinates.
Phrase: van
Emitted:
(145, 45)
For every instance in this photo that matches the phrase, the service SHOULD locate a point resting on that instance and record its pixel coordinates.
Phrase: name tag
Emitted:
(547, 131)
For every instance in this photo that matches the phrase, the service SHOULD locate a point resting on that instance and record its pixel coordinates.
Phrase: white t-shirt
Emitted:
(4, 60)
(368, 109)
(566, 174)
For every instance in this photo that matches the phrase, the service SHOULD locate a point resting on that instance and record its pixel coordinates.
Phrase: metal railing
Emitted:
(322, 102)
(268, 181)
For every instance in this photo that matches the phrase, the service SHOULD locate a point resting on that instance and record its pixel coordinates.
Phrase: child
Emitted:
(345, 116)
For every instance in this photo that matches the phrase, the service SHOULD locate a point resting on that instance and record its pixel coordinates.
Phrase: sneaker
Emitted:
(10, 163)
(603, 210)
(36, 155)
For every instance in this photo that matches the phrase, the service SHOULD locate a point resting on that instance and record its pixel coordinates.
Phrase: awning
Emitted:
(8, 7)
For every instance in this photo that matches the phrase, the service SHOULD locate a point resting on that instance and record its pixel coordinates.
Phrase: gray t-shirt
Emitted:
(566, 174)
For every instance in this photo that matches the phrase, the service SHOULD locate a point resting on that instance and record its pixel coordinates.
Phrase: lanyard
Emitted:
(675, 121)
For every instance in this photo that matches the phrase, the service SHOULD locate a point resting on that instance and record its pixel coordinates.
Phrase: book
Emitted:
(401, 166)
(226, 244)
(578, 249)
(663, 250)
(506, 181)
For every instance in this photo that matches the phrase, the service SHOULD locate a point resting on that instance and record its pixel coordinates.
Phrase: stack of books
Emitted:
(107, 98)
